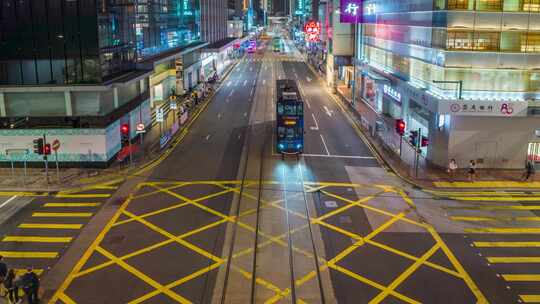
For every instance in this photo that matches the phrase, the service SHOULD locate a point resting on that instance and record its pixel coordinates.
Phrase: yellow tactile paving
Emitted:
(234, 187)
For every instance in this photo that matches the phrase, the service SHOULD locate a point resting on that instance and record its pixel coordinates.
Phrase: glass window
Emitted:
(532, 42)
(483, 41)
(488, 5)
(458, 4)
(531, 5)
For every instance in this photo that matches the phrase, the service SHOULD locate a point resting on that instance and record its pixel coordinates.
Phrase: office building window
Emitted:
(459, 41)
(532, 43)
(458, 4)
(488, 5)
(531, 5)
(482, 41)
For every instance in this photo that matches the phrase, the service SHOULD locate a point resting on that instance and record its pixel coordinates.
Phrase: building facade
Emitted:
(462, 72)
(78, 70)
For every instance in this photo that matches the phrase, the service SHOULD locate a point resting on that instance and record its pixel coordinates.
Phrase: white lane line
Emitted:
(208, 137)
(316, 124)
(229, 83)
(308, 79)
(8, 200)
(251, 92)
(253, 81)
(324, 143)
(245, 81)
(264, 81)
(219, 116)
(328, 112)
(245, 114)
(308, 104)
(339, 156)
(230, 94)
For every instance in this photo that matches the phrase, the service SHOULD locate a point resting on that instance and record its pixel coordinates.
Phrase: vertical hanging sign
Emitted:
(179, 66)
(350, 11)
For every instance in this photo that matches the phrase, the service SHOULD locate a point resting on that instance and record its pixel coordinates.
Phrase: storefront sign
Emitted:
(350, 11)
(312, 30)
(159, 114)
(164, 139)
(483, 108)
(389, 91)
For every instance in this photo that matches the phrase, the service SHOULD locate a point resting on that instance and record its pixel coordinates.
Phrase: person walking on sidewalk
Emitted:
(472, 170)
(11, 287)
(452, 168)
(529, 171)
(30, 284)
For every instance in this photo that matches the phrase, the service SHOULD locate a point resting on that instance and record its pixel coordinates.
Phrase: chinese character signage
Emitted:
(350, 11)
(483, 108)
(312, 30)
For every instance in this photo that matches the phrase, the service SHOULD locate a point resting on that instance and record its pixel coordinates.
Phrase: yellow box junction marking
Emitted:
(227, 187)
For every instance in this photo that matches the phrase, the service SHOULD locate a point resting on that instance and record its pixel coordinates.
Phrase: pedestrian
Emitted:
(472, 170)
(11, 287)
(3, 270)
(30, 285)
(452, 168)
(529, 171)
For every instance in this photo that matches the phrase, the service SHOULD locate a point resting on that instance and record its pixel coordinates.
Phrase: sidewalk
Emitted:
(386, 144)
(15, 182)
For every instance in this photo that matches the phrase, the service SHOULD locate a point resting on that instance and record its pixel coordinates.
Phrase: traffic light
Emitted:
(400, 127)
(47, 149)
(124, 129)
(424, 142)
(124, 132)
(38, 146)
(413, 138)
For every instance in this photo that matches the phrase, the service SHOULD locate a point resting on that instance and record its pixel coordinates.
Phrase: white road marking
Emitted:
(8, 200)
(264, 81)
(208, 137)
(253, 81)
(295, 75)
(230, 94)
(245, 81)
(308, 79)
(239, 136)
(338, 156)
(250, 69)
(251, 92)
(219, 116)
(324, 143)
(316, 124)
(308, 104)
(245, 114)
(328, 112)
(229, 83)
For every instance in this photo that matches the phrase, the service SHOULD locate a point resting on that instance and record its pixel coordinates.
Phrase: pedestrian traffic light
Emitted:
(38, 146)
(47, 149)
(413, 138)
(400, 127)
(424, 142)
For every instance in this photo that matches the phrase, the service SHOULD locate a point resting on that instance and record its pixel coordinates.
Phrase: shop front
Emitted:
(392, 102)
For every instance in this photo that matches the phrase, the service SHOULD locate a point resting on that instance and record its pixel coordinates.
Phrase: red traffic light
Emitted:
(400, 127)
(424, 142)
(124, 129)
(47, 149)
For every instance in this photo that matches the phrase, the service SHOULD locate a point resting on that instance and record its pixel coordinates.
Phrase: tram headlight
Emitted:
(281, 146)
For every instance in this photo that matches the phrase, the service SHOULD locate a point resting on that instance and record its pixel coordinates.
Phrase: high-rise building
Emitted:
(77, 70)
(463, 72)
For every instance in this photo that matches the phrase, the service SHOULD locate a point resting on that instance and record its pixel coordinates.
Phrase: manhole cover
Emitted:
(330, 204)
(345, 219)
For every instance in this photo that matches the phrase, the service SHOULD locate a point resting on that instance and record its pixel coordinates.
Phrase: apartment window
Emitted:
(531, 5)
(458, 4)
(532, 43)
(489, 5)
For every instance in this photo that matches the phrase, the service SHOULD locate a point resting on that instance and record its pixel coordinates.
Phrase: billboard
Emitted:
(350, 11)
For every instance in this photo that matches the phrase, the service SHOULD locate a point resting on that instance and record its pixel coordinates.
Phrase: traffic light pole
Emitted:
(45, 158)
(417, 152)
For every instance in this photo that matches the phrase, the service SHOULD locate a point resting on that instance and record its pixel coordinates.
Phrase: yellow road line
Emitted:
(503, 230)
(495, 218)
(86, 195)
(507, 207)
(62, 214)
(71, 204)
(21, 271)
(513, 259)
(521, 277)
(50, 226)
(482, 193)
(496, 198)
(404, 275)
(487, 184)
(37, 239)
(530, 298)
(66, 299)
(142, 276)
(29, 254)
(506, 244)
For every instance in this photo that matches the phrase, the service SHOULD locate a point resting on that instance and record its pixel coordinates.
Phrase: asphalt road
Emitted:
(224, 209)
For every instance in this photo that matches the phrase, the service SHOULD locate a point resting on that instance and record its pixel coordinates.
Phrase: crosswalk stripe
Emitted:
(50, 226)
(530, 298)
(521, 277)
(71, 204)
(506, 244)
(503, 230)
(90, 195)
(36, 239)
(29, 254)
(494, 218)
(62, 214)
(507, 207)
(513, 259)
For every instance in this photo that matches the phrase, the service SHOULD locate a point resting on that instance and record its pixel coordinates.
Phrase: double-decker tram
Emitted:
(289, 118)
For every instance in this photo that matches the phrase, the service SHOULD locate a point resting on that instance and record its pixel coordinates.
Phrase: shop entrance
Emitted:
(533, 153)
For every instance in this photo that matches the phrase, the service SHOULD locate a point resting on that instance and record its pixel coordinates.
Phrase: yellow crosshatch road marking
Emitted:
(506, 244)
(71, 204)
(503, 230)
(62, 214)
(91, 195)
(50, 226)
(494, 260)
(37, 239)
(522, 277)
(215, 261)
(530, 298)
(29, 254)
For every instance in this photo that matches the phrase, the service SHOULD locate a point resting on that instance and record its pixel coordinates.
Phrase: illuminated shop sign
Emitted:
(388, 90)
(484, 108)
(312, 30)
(299, 7)
(350, 11)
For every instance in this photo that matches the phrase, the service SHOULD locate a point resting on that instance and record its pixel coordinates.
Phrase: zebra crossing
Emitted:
(504, 228)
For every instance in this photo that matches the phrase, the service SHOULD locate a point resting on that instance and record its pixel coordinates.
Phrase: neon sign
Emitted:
(350, 11)
(312, 30)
